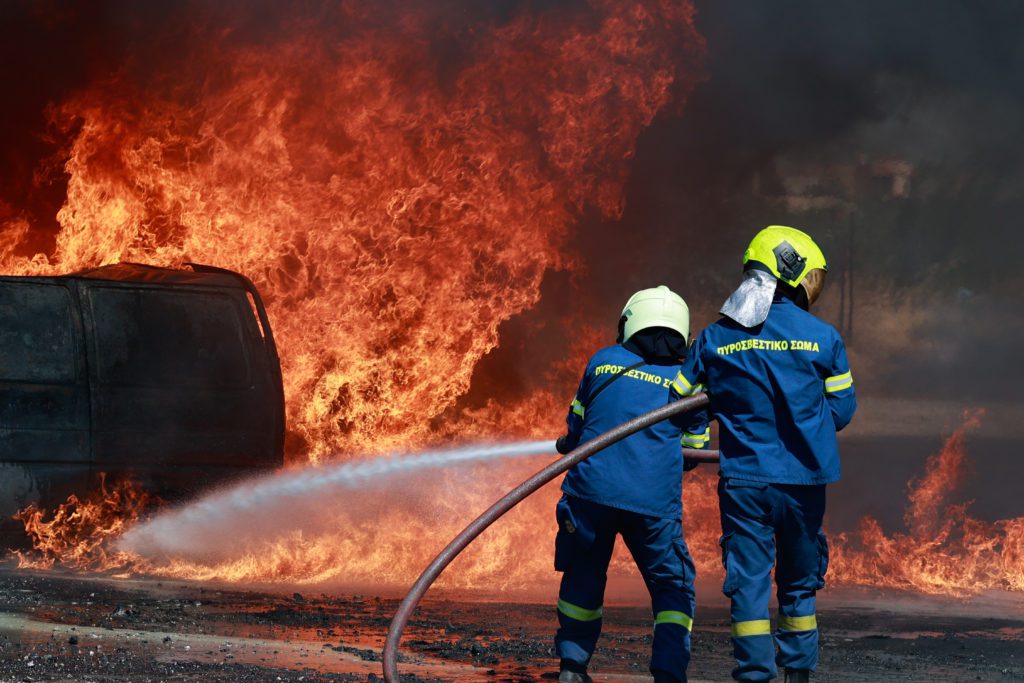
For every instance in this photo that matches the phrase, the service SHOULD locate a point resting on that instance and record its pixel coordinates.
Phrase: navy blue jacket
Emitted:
(642, 473)
(780, 392)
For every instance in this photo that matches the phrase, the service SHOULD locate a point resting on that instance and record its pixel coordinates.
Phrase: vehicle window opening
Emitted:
(156, 338)
(37, 341)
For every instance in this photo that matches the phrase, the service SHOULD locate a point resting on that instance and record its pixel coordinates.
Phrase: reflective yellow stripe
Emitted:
(577, 407)
(758, 627)
(669, 617)
(683, 386)
(808, 623)
(697, 440)
(839, 382)
(578, 613)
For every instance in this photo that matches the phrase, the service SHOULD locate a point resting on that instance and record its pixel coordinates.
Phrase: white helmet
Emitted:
(657, 307)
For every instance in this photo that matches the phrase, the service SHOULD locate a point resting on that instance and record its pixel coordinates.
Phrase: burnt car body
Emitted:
(168, 376)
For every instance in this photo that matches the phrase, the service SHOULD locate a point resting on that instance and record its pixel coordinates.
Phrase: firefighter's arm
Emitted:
(839, 391)
(574, 418)
(696, 430)
(689, 380)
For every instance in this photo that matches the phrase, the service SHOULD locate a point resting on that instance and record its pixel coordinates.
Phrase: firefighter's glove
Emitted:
(689, 464)
(562, 444)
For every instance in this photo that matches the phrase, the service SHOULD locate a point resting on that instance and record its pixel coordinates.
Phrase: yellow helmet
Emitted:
(787, 253)
(656, 307)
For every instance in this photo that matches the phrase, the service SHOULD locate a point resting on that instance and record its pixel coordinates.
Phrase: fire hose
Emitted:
(513, 498)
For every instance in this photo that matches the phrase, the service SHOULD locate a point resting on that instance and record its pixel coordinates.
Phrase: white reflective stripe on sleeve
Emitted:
(839, 382)
(577, 407)
(683, 386)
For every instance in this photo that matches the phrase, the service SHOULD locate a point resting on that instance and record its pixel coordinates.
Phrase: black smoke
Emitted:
(925, 283)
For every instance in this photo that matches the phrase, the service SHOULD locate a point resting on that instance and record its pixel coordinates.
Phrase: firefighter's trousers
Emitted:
(583, 548)
(765, 525)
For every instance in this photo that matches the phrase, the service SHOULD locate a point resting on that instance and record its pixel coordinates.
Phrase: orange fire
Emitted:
(396, 204)
(78, 533)
(397, 188)
(393, 209)
(945, 550)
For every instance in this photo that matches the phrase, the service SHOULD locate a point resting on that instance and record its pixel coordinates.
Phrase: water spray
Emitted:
(175, 531)
(513, 498)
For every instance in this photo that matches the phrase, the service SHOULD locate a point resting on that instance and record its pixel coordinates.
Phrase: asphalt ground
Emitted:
(57, 626)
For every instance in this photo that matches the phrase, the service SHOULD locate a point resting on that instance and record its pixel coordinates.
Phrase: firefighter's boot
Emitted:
(571, 672)
(798, 676)
(664, 677)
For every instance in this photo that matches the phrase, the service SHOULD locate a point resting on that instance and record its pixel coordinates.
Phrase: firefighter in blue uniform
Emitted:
(633, 488)
(780, 388)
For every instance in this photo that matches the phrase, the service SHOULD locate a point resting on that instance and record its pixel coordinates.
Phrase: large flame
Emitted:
(394, 208)
(397, 188)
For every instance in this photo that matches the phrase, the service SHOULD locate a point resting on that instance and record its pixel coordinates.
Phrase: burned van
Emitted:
(168, 376)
